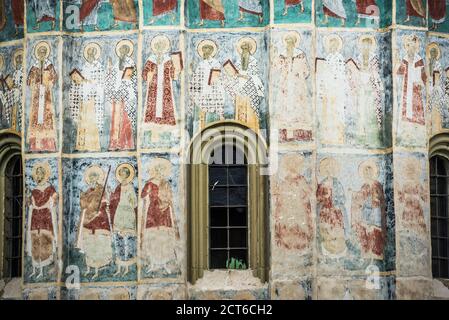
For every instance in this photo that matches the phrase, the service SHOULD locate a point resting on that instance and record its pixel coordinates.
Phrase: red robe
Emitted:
(41, 218)
(86, 8)
(158, 208)
(207, 12)
(168, 108)
(121, 134)
(17, 12)
(89, 201)
(367, 8)
(437, 10)
(163, 6)
(415, 8)
(292, 2)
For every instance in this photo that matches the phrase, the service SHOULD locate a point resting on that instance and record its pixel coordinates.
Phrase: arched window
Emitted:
(227, 220)
(11, 200)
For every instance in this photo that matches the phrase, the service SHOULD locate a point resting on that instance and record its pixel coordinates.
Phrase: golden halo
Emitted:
(164, 167)
(132, 173)
(294, 35)
(203, 43)
(328, 38)
(436, 46)
(410, 38)
(330, 165)
(92, 45)
(123, 42)
(43, 165)
(372, 164)
(42, 44)
(370, 37)
(18, 52)
(161, 38)
(94, 169)
(248, 40)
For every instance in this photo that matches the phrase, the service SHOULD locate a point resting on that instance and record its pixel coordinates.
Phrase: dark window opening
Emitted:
(12, 266)
(439, 196)
(228, 209)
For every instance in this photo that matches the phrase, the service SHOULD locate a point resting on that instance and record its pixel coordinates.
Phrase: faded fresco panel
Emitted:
(161, 220)
(42, 103)
(412, 214)
(292, 289)
(161, 291)
(355, 216)
(292, 11)
(291, 112)
(163, 63)
(41, 225)
(11, 75)
(354, 89)
(356, 13)
(226, 79)
(41, 293)
(410, 77)
(161, 12)
(412, 12)
(227, 14)
(100, 15)
(292, 193)
(100, 94)
(100, 293)
(11, 19)
(100, 224)
(43, 15)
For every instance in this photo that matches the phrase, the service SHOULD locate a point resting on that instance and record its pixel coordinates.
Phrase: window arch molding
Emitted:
(439, 145)
(10, 147)
(254, 148)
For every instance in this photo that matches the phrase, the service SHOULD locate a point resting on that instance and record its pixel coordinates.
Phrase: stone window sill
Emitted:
(228, 280)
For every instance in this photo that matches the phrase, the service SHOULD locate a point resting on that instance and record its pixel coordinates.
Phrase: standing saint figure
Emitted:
(334, 9)
(367, 91)
(17, 8)
(368, 211)
(293, 3)
(4, 95)
(292, 205)
(159, 225)
(415, 8)
(123, 10)
(42, 223)
(164, 7)
(123, 209)
(121, 93)
(212, 10)
(244, 83)
(159, 72)
(253, 7)
(44, 11)
(41, 79)
(367, 9)
(332, 88)
(331, 200)
(206, 91)
(292, 70)
(94, 229)
(437, 97)
(89, 13)
(437, 12)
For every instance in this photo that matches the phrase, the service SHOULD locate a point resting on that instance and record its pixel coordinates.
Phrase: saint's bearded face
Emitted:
(42, 53)
(19, 60)
(40, 175)
(290, 42)
(333, 45)
(410, 47)
(245, 49)
(433, 53)
(91, 52)
(124, 50)
(366, 47)
(124, 174)
(92, 179)
(207, 52)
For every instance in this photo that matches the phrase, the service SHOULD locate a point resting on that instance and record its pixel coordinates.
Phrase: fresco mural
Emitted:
(293, 196)
(44, 293)
(227, 14)
(11, 79)
(356, 13)
(42, 222)
(412, 12)
(161, 12)
(292, 11)
(99, 15)
(100, 94)
(11, 19)
(43, 15)
(100, 293)
(161, 73)
(355, 217)
(161, 217)
(101, 223)
(42, 107)
(225, 79)
(410, 76)
(353, 96)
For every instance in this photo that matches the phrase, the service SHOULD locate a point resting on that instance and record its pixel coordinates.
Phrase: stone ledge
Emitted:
(12, 289)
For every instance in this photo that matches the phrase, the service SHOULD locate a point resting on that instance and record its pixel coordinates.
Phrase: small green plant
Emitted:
(235, 264)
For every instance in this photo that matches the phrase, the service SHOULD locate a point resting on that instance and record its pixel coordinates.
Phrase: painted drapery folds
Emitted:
(107, 96)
